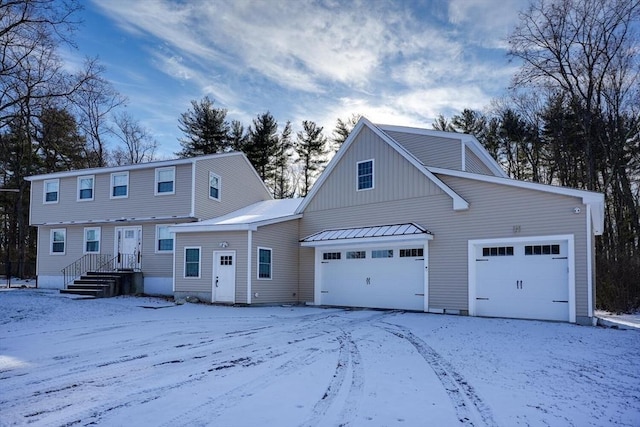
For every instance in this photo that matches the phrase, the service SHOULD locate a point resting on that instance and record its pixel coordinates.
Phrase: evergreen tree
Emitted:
(283, 187)
(59, 143)
(237, 136)
(262, 145)
(343, 130)
(206, 129)
(310, 148)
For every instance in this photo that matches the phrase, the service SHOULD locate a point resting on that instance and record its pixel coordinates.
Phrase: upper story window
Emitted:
(214, 186)
(92, 240)
(85, 187)
(264, 263)
(119, 185)
(365, 175)
(164, 239)
(165, 180)
(51, 190)
(58, 241)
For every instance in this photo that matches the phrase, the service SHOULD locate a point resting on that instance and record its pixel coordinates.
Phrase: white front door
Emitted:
(224, 276)
(128, 247)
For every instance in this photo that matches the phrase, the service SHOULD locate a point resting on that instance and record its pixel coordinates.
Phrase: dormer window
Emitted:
(365, 175)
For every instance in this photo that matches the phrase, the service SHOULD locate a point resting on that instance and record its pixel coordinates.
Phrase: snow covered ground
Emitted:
(145, 361)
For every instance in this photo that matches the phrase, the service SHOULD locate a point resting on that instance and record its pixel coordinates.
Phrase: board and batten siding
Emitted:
(141, 202)
(394, 177)
(282, 239)
(474, 165)
(494, 211)
(434, 151)
(240, 186)
(209, 242)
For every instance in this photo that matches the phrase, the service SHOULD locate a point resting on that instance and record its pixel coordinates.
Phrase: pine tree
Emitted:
(262, 145)
(311, 150)
(283, 188)
(206, 129)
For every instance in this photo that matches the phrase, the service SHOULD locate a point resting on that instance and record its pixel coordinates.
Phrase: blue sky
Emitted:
(396, 62)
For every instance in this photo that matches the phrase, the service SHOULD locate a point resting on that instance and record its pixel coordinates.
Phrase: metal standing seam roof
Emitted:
(365, 232)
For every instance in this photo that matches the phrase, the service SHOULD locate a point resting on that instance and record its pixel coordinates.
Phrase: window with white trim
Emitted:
(542, 250)
(356, 254)
(165, 180)
(331, 255)
(91, 240)
(51, 191)
(214, 186)
(264, 263)
(85, 187)
(365, 175)
(497, 251)
(119, 185)
(58, 241)
(192, 262)
(410, 253)
(164, 239)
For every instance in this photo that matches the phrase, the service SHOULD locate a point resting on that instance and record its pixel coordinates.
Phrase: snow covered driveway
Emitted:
(144, 361)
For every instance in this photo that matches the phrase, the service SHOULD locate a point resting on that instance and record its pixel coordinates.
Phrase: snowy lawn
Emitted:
(145, 361)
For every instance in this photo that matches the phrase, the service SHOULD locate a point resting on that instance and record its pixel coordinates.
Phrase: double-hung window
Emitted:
(165, 180)
(51, 190)
(192, 262)
(264, 263)
(214, 186)
(164, 239)
(58, 241)
(92, 240)
(85, 187)
(365, 175)
(119, 185)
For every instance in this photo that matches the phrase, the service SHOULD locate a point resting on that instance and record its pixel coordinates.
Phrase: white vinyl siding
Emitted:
(51, 191)
(265, 264)
(119, 185)
(165, 181)
(86, 187)
(164, 239)
(214, 186)
(91, 243)
(192, 257)
(58, 241)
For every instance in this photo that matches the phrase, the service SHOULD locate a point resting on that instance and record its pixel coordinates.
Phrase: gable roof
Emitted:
(458, 202)
(467, 140)
(248, 218)
(590, 198)
(147, 165)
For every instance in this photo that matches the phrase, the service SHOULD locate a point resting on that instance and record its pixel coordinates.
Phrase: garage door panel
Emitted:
(395, 282)
(530, 281)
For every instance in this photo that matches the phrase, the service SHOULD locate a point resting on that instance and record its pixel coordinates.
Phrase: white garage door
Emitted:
(382, 277)
(522, 280)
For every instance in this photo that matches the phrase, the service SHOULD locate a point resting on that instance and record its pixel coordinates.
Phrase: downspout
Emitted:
(249, 252)
(193, 189)
(590, 254)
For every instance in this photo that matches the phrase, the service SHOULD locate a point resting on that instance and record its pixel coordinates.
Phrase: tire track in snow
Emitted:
(469, 407)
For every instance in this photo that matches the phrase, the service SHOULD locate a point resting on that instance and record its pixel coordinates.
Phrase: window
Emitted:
(356, 254)
(192, 262)
(542, 250)
(413, 252)
(331, 255)
(51, 188)
(498, 251)
(384, 253)
(214, 186)
(264, 263)
(119, 185)
(85, 187)
(165, 179)
(164, 239)
(226, 259)
(58, 241)
(365, 175)
(92, 240)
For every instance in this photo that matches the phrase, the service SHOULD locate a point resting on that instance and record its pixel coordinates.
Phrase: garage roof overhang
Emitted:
(397, 233)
